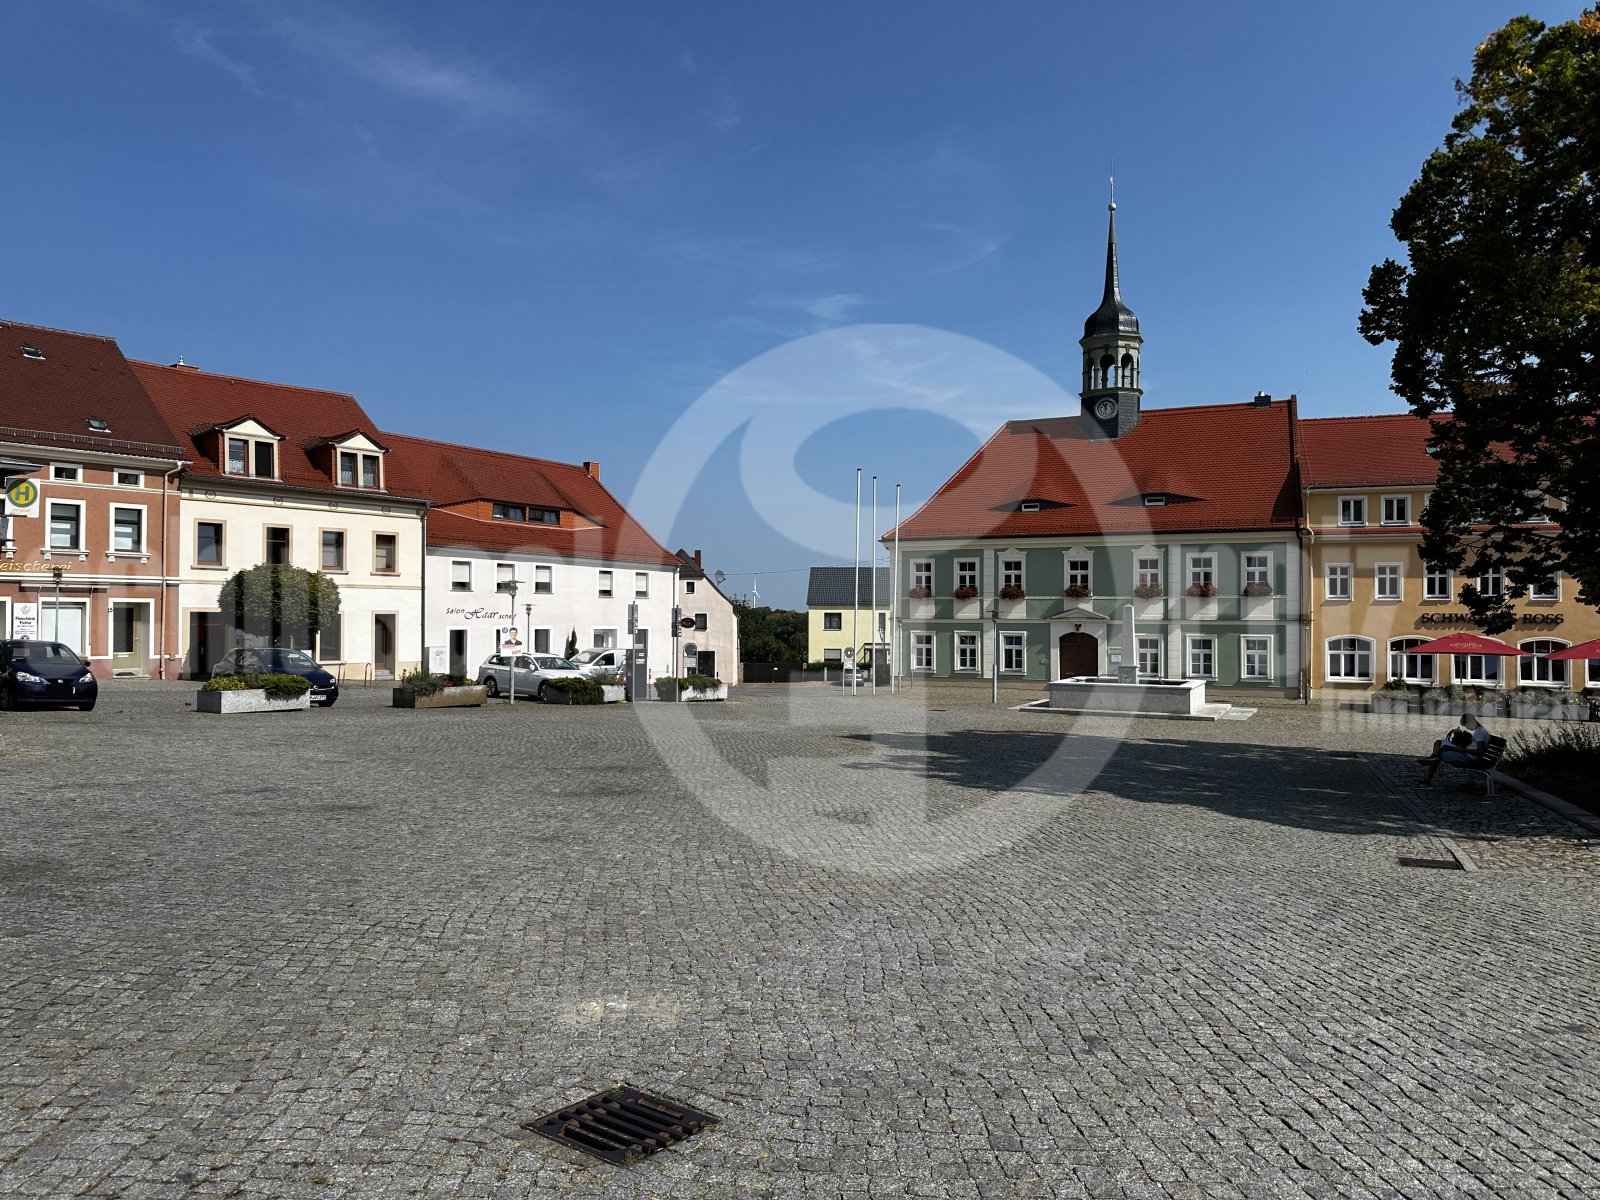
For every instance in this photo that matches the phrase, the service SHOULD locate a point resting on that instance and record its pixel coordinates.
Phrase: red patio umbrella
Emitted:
(1581, 650)
(1466, 643)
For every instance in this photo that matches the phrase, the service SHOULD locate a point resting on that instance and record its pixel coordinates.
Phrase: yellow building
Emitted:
(1365, 482)
(835, 622)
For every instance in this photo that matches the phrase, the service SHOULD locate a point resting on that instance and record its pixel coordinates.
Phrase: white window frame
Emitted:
(133, 479)
(1196, 571)
(1498, 577)
(1257, 568)
(922, 574)
(1144, 577)
(250, 444)
(1010, 577)
(1078, 571)
(545, 585)
(1388, 502)
(641, 584)
(1388, 571)
(1013, 641)
(1145, 644)
(458, 585)
(1352, 510)
(968, 573)
(974, 643)
(1489, 672)
(602, 637)
(688, 587)
(144, 528)
(83, 527)
(605, 581)
(1359, 648)
(1554, 592)
(1536, 670)
(344, 552)
(1430, 577)
(1191, 646)
(1401, 660)
(833, 654)
(75, 469)
(921, 642)
(1344, 574)
(1245, 652)
(376, 569)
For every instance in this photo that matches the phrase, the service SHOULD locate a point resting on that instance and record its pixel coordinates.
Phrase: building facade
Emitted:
(84, 559)
(1366, 482)
(1022, 564)
(298, 477)
(840, 612)
(708, 624)
(578, 560)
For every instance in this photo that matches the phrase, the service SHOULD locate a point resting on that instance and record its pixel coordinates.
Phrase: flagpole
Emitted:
(894, 603)
(855, 607)
(873, 619)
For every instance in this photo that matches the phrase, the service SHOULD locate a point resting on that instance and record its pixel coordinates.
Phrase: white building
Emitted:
(291, 475)
(578, 559)
(708, 636)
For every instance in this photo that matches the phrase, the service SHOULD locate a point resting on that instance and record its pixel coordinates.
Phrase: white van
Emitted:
(612, 660)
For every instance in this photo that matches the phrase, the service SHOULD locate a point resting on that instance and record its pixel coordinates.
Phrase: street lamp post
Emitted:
(56, 573)
(510, 586)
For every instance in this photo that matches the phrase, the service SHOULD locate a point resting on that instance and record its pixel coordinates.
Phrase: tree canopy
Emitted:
(1496, 316)
(285, 605)
(775, 635)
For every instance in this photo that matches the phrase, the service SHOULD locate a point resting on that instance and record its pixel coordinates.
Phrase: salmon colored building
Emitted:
(86, 557)
(1366, 481)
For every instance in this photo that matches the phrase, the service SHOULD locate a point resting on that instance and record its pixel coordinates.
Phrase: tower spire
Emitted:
(1111, 342)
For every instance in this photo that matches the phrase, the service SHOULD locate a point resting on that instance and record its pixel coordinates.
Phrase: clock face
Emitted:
(1105, 409)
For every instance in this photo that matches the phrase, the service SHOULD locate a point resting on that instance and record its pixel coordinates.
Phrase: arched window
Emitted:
(1350, 659)
(1413, 668)
(1126, 374)
(1108, 371)
(1537, 669)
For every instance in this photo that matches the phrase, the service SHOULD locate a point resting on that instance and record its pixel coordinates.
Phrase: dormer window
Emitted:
(510, 512)
(524, 512)
(251, 456)
(33, 352)
(1028, 506)
(360, 470)
(1155, 500)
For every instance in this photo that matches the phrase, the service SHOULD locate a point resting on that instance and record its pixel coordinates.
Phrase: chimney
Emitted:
(697, 566)
(1261, 400)
(592, 470)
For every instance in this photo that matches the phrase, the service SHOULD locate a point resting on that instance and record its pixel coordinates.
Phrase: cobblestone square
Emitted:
(913, 946)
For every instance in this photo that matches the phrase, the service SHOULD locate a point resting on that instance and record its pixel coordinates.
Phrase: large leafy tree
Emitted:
(770, 634)
(1496, 316)
(285, 605)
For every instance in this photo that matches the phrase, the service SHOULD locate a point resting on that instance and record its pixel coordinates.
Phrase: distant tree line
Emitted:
(775, 635)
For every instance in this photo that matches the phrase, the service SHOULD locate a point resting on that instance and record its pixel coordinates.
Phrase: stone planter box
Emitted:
(1525, 711)
(1257, 608)
(1197, 608)
(1390, 702)
(250, 700)
(471, 696)
(614, 693)
(716, 693)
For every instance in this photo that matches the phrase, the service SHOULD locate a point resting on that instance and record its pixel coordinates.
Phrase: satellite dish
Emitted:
(720, 577)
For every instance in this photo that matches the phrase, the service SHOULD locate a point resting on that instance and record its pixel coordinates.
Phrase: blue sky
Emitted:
(554, 229)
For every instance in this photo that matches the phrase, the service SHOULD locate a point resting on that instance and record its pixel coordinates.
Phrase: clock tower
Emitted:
(1110, 344)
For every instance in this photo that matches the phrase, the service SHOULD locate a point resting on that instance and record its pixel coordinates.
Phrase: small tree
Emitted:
(279, 603)
(572, 645)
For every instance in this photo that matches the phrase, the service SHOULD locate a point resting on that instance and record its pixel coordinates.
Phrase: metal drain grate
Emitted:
(622, 1124)
(1439, 864)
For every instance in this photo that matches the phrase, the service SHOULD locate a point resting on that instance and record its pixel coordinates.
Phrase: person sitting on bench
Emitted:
(1463, 747)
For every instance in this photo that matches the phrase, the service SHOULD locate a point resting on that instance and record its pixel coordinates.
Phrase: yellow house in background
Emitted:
(1365, 482)
(834, 622)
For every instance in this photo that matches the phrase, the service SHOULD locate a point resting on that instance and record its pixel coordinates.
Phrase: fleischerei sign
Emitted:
(34, 567)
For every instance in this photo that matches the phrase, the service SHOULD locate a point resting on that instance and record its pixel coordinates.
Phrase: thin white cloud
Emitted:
(199, 42)
(968, 248)
(826, 311)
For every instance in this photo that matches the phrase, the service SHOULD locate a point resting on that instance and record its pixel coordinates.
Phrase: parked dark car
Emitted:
(44, 675)
(278, 660)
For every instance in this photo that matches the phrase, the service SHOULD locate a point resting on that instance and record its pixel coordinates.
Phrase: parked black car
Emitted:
(44, 675)
(277, 660)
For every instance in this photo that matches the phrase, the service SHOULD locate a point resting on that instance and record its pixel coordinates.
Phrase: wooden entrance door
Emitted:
(129, 638)
(1079, 654)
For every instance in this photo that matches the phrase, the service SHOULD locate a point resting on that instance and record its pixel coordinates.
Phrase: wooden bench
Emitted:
(1488, 763)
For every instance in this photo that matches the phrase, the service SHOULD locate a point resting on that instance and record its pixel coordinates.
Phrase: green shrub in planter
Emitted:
(578, 691)
(224, 683)
(277, 687)
(608, 679)
(425, 683)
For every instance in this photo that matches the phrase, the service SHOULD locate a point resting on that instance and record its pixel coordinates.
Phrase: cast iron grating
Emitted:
(622, 1124)
(1440, 864)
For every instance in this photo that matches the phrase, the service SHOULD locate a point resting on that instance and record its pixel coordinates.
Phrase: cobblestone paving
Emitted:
(910, 946)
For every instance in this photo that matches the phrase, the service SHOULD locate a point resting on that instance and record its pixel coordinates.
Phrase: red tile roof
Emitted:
(1223, 467)
(448, 475)
(1382, 451)
(81, 376)
(195, 402)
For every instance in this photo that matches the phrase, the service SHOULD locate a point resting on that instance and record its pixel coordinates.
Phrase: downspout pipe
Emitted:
(165, 578)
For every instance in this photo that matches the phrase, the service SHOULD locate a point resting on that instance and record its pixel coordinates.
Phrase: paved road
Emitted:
(903, 947)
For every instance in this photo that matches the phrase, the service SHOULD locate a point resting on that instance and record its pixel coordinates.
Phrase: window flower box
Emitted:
(920, 593)
(1201, 591)
(1149, 591)
(1392, 697)
(1077, 591)
(1200, 603)
(1012, 592)
(965, 593)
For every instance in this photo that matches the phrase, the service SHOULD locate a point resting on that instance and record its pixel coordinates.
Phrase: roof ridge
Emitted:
(189, 371)
(555, 462)
(103, 337)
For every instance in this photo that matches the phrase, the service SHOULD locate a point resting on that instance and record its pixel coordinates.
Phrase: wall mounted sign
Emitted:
(1453, 618)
